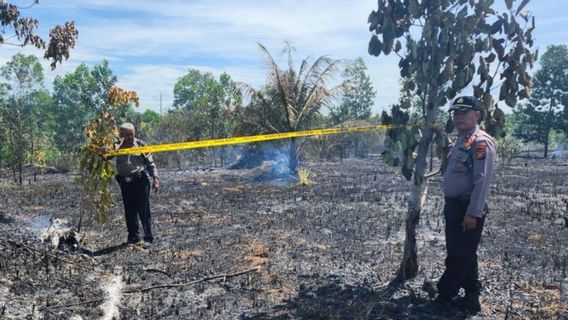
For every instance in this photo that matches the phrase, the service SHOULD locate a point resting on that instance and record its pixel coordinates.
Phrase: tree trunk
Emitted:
(419, 191)
(32, 147)
(431, 157)
(213, 155)
(546, 142)
(20, 161)
(178, 161)
(293, 156)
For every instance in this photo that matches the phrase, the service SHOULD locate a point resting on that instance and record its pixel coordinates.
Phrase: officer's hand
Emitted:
(156, 185)
(104, 150)
(469, 222)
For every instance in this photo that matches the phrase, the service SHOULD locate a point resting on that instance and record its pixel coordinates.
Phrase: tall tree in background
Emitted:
(23, 78)
(77, 96)
(549, 99)
(173, 127)
(358, 98)
(291, 98)
(443, 45)
(208, 102)
(61, 38)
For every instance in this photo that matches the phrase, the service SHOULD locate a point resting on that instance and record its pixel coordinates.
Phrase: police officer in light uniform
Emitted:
(467, 177)
(135, 186)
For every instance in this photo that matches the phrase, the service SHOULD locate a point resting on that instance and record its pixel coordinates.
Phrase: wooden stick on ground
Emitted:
(77, 304)
(177, 285)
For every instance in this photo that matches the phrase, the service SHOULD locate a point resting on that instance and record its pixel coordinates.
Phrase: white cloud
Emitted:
(152, 80)
(152, 43)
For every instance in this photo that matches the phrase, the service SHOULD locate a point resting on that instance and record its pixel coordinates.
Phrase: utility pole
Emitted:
(160, 104)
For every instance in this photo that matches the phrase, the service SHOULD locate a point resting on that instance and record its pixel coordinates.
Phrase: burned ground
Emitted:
(326, 251)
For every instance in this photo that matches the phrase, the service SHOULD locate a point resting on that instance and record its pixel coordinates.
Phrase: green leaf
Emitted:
(375, 46)
(414, 8)
(398, 46)
(509, 4)
(511, 100)
(522, 6)
(388, 158)
(407, 173)
(388, 36)
(498, 48)
(496, 26)
(490, 58)
(449, 126)
(503, 92)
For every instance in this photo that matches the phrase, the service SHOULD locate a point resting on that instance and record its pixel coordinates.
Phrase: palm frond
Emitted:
(277, 81)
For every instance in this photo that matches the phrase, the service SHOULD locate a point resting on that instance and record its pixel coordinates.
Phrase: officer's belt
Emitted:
(131, 178)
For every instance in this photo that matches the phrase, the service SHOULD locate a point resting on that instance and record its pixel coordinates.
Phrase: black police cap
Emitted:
(465, 103)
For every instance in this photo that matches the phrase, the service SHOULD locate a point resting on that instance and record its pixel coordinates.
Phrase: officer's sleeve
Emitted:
(151, 165)
(149, 161)
(483, 161)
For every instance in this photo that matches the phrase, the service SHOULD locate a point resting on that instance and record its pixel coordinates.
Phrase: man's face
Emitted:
(127, 135)
(465, 120)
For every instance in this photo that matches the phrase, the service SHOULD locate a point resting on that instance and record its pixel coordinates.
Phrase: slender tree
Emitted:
(549, 98)
(23, 76)
(443, 46)
(359, 96)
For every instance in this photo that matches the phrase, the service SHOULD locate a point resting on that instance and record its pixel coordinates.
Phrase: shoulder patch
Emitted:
(480, 150)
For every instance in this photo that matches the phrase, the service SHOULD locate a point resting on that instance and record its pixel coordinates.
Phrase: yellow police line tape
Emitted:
(247, 139)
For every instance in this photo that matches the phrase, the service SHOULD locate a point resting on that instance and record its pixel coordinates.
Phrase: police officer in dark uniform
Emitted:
(467, 177)
(135, 185)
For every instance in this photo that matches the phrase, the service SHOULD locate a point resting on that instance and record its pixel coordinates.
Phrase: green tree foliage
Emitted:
(444, 46)
(508, 148)
(546, 110)
(291, 98)
(149, 121)
(23, 80)
(173, 127)
(359, 95)
(77, 96)
(61, 38)
(208, 103)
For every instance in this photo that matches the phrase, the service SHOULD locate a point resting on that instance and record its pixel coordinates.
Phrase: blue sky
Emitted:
(150, 44)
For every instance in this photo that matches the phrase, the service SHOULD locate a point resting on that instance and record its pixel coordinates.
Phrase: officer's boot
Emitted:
(469, 303)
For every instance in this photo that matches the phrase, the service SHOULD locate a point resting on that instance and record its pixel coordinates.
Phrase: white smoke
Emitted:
(113, 288)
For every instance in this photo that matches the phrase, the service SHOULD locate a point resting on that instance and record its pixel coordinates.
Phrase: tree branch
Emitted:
(177, 285)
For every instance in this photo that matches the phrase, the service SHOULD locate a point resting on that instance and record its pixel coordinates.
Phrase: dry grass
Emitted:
(547, 300)
(304, 176)
(255, 252)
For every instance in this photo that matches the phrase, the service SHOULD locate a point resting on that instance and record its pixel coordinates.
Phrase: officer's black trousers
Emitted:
(136, 200)
(461, 248)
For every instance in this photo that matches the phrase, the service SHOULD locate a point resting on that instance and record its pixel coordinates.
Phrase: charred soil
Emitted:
(231, 246)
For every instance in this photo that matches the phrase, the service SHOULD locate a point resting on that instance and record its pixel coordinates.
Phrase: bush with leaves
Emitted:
(97, 171)
(507, 149)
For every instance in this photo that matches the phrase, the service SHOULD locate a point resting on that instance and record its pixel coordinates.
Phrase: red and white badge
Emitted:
(480, 150)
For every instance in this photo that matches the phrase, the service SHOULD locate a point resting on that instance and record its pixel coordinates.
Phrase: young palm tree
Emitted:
(291, 98)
